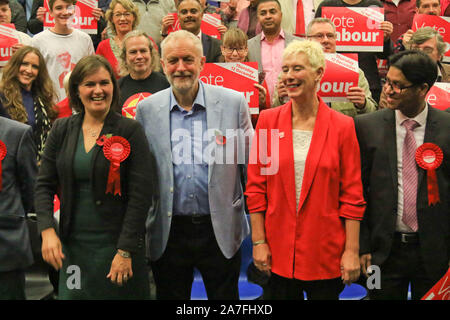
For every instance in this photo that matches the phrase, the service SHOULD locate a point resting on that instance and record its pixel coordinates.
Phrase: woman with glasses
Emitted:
(304, 191)
(234, 49)
(122, 17)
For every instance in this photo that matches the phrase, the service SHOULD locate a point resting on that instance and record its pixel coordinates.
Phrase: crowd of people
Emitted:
(155, 169)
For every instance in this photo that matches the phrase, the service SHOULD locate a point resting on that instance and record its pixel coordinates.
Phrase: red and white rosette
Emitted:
(3, 152)
(116, 150)
(429, 157)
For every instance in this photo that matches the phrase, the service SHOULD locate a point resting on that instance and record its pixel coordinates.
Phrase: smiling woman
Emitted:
(102, 223)
(123, 17)
(26, 93)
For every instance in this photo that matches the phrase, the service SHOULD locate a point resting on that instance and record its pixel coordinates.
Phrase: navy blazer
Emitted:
(19, 171)
(137, 176)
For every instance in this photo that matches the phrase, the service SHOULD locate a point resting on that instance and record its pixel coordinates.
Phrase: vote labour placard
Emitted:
(439, 95)
(82, 18)
(440, 24)
(441, 290)
(237, 76)
(341, 73)
(357, 29)
(8, 38)
(209, 25)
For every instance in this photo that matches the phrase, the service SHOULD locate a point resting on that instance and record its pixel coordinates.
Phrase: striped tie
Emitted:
(409, 175)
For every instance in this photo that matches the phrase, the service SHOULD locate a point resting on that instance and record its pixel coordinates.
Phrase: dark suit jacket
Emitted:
(211, 48)
(19, 172)
(377, 139)
(137, 176)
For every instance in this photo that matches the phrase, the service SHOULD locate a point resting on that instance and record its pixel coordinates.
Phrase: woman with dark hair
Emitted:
(100, 165)
(27, 94)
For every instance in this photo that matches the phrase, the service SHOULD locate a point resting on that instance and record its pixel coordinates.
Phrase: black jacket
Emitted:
(128, 212)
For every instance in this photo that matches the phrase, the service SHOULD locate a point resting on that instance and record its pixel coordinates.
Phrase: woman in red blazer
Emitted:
(304, 187)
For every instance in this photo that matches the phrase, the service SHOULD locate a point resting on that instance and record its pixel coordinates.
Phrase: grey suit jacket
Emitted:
(19, 172)
(226, 112)
(254, 48)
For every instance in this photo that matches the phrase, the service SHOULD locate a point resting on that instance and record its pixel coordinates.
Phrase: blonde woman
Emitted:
(305, 196)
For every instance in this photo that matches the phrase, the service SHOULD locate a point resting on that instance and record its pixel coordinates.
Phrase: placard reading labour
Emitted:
(357, 28)
(341, 73)
(8, 38)
(440, 24)
(237, 76)
(82, 18)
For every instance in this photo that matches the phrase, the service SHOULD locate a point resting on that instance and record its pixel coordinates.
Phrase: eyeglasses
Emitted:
(240, 51)
(122, 14)
(321, 36)
(426, 50)
(395, 87)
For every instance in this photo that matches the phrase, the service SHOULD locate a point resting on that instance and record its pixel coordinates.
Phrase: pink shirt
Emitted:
(271, 56)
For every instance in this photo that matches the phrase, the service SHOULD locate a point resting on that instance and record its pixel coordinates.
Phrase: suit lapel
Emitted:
(206, 42)
(286, 151)
(318, 140)
(390, 139)
(213, 117)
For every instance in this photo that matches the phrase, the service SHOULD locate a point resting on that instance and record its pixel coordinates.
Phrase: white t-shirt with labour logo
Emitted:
(61, 53)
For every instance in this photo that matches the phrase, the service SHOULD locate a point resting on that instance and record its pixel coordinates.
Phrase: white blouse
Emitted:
(301, 140)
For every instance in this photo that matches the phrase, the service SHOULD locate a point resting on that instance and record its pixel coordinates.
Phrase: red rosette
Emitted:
(116, 149)
(429, 157)
(3, 152)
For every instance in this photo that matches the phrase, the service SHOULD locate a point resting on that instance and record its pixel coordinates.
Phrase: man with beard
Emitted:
(141, 60)
(200, 135)
(406, 226)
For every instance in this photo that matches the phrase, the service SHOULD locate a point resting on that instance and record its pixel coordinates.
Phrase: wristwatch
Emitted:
(163, 34)
(124, 254)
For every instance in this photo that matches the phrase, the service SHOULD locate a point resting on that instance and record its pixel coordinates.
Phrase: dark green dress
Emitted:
(91, 246)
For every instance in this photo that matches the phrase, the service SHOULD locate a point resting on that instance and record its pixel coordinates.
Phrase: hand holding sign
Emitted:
(387, 27)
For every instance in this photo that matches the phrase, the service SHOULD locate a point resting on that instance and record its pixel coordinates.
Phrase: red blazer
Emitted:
(306, 243)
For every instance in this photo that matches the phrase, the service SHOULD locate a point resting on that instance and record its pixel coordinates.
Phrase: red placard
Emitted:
(440, 24)
(441, 290)
(82, 18)
(341, 73)
(209, 24)
(439, 96)
(357, 28)
(237, 76)
(8, 38)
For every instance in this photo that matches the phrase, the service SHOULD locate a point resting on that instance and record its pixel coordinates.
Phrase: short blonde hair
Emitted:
(129, 6)
(313, 51)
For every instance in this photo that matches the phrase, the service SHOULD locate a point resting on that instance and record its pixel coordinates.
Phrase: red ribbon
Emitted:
(116, 150)
(429, 157)
(3, 152)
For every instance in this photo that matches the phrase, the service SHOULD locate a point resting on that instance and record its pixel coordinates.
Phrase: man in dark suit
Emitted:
(18, 173)
(190, 14)
(403, 232)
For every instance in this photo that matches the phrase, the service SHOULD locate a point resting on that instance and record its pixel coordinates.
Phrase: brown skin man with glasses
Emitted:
(402, 233)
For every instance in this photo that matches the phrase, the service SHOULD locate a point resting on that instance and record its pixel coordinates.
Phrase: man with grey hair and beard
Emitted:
(200, 221)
